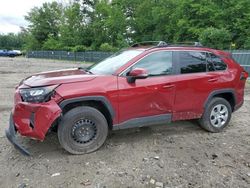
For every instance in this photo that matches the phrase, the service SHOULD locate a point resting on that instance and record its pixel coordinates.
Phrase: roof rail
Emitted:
(196, 44)
(159, 44)
(150, 43)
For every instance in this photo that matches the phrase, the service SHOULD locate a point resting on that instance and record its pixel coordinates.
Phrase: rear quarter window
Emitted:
(215, 63)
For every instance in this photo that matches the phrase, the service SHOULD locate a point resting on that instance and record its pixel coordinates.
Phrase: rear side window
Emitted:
(215, 63)
(192, 62)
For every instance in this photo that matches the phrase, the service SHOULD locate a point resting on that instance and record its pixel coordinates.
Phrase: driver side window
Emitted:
(156, 64)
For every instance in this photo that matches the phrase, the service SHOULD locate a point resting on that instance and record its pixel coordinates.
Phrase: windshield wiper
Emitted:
(86, 70)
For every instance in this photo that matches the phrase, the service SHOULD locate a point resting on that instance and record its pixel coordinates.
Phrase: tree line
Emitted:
(109, 25)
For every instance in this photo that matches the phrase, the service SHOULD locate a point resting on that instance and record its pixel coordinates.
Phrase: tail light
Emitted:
(244, 75)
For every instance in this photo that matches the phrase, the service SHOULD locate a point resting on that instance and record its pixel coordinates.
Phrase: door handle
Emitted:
(213, 80)
(168, 86)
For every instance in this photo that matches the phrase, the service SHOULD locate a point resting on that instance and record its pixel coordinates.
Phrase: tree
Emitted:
(44, 22)
(216, 38)
(96, 23)
(11, 41)
(73, 26)
(108, 25)
(247, 44)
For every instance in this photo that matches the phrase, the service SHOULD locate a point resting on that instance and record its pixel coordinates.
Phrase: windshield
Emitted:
(113, 63)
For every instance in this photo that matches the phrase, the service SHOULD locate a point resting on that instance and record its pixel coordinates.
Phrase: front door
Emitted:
(151, 96)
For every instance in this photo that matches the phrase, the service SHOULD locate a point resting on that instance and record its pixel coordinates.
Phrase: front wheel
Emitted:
(82, 130)
(216, 115)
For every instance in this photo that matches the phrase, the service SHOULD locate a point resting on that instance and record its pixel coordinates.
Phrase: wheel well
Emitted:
(229, 97)
(95, 104)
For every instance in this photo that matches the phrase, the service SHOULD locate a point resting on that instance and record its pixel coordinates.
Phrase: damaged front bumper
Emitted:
(31, 120)
(11, 135)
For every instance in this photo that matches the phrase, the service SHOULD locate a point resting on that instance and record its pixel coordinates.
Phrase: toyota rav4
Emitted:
(140, 86)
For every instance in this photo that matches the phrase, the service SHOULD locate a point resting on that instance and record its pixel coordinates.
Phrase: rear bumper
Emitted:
(11, 135)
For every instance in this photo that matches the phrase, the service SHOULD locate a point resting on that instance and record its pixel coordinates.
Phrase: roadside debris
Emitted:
(160, 164)
(55, 174)
(86, 183)
(152, 181)
(157, 157)
(214, 156)
(121, 174)
(159, 184)
(102, 162)
(247, 164)
(23, 185)
(145, 159)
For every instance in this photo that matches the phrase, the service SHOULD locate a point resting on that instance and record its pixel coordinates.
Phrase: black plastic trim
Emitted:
(144, 121)
(238, 105)
(220, 91)
(11, 135)
(102, 99)
(32, 120)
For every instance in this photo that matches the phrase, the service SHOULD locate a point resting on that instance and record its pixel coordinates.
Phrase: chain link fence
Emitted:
(88, 56)
(243, 58)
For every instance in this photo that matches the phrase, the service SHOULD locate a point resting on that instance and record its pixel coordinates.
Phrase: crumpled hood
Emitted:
(58, 77)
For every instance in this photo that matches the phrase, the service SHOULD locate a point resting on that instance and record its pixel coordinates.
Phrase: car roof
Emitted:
(159, 45)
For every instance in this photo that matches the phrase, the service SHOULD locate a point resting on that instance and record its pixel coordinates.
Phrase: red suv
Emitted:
(136, 87)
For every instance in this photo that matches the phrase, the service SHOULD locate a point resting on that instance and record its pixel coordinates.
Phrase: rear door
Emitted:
(191, 84)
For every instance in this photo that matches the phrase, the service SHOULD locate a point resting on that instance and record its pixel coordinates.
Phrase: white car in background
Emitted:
(18, 52)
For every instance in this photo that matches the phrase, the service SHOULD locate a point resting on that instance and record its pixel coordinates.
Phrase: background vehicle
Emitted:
(140, 86)
(9, 53)
(18, 52)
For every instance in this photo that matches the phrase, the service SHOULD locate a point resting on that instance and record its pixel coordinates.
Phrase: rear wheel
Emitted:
(216, 115)
(82, 130)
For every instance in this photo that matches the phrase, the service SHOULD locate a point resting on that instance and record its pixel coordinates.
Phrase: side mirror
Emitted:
(137, 73)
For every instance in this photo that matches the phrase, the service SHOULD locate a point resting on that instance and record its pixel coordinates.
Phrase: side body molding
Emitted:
(102, 99)
(144, 121)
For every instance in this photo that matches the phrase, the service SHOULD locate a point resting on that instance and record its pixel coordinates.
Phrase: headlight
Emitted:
(36, 95)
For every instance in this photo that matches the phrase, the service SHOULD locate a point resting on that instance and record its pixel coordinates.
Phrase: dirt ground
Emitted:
(179, 154)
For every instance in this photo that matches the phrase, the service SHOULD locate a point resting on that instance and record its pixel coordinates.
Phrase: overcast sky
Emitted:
(12, 13)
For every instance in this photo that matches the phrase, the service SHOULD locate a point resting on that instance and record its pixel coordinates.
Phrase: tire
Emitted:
(216, 116)
(82, 130)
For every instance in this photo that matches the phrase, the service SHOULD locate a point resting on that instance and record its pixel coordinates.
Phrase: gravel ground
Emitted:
(179, 154)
